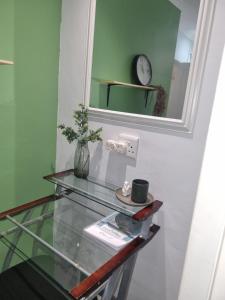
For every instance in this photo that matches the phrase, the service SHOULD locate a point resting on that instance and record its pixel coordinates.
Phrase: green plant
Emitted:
(83, 134)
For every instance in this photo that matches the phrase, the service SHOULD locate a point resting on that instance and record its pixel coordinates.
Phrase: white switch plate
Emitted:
(132, 144)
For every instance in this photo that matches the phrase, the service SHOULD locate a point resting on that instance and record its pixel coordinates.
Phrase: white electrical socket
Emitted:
(110, 145)
(132, 144)
(116, 146)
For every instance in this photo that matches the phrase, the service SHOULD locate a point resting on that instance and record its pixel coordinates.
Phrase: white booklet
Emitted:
(107, 231)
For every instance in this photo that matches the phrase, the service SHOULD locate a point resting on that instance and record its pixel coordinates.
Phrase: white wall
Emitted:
(171, 163)
(74, 28)
(187, 27)
(185, 41)
(206, 246)
(178, 87)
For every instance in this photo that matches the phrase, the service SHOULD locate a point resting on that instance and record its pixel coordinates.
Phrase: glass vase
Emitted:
(81, 160)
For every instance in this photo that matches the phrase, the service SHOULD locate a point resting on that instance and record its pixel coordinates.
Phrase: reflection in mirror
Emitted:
(164, 32)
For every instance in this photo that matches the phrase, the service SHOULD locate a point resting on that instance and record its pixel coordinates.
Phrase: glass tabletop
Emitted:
(96, 190)
(55, 237)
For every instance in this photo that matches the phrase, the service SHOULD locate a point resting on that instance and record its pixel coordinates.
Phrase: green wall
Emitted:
(29, 34)
(123, 29)
(7, 106)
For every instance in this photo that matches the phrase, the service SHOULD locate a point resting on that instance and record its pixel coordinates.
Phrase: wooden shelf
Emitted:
(110, 83)
(120, 83)
(6, 62)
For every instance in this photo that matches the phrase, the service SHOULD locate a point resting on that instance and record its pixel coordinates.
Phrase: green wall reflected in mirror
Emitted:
(123, 29)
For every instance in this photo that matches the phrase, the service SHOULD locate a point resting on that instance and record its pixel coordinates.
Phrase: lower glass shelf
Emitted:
(26, 280)
(51, 237)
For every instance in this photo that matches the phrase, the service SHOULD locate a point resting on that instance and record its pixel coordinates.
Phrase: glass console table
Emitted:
(47, 253)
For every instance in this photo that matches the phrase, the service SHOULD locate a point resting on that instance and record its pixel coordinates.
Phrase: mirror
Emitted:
(164, 31)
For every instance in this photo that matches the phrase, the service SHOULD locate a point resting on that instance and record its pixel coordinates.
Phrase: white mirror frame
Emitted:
(186, 123)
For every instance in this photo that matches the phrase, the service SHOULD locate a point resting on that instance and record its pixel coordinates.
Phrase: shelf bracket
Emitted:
(109, 85)
(108, 93)
(146, 97)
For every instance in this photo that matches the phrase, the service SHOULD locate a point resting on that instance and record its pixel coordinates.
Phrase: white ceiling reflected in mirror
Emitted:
(145, 60)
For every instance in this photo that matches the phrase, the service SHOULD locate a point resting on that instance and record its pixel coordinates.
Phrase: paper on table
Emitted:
(107, 233)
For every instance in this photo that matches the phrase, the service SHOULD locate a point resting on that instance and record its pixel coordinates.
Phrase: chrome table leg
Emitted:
(112, 285)
(126, 278)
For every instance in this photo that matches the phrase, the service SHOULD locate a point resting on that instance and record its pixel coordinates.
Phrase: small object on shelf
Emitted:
(139, 191)
(127, 199)
(81, 160)
(126, 190)
(6, 62)
(142, 70)
(160, 104)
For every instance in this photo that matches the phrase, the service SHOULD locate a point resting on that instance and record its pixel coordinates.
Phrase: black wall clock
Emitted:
(142, 70)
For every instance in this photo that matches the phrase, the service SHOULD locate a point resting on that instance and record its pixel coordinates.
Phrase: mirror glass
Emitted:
(163, 31)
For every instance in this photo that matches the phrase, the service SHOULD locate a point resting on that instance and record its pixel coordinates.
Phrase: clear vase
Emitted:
(81, 160)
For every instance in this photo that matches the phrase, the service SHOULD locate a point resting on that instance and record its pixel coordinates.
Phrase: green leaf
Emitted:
(83, 133)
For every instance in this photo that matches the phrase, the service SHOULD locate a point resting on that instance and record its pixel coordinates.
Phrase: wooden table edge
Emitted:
(59, 174)
(147, 211)
(105, 271)
(16, 210)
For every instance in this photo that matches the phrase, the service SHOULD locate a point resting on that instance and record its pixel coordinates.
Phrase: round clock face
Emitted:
(143, 69)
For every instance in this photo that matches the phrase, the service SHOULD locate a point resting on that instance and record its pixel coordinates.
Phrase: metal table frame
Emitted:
(111, 280)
